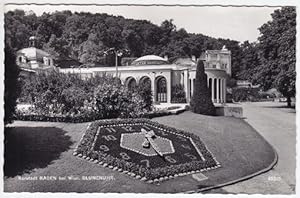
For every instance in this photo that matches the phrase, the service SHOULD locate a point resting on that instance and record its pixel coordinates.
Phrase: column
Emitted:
(222, 91)
(225, 90)
(169, 87)
(186, 86)
(153, 88)
(213, 89)
(218, 90)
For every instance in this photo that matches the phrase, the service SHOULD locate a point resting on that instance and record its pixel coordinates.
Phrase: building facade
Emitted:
(158, 72)
(164, 76)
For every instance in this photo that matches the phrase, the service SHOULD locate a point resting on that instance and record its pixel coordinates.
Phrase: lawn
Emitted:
(45, 149)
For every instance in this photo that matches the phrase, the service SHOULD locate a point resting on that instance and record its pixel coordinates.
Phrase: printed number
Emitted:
(125, 156)
(146, 162)
(111, 130)
(170, 159)
(109, 137)
(186, 146)
(274, 178)
(104, 148)
(181, 138)
(192, 157)
(127, 128)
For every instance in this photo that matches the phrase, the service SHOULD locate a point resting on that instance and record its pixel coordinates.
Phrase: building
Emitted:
(32, 60)
(245, 84)
(163, 76)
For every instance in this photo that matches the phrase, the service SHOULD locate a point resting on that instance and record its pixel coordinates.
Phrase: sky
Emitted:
(236, 23)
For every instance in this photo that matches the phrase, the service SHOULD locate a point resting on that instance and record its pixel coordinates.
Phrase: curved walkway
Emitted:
(277, 124)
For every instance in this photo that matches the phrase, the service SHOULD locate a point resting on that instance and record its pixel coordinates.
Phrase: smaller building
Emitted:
(32, 60)
(245, 84)
(218, 59)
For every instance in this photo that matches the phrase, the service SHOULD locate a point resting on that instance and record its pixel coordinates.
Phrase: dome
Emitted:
(33, 53)
(150, 60)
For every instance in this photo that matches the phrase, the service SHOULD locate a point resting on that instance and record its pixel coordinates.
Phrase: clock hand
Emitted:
(149, 135)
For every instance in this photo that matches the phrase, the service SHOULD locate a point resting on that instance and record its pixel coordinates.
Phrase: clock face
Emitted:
(126, 142)
(146, 146)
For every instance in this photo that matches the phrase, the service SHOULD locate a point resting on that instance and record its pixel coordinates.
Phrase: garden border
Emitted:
(79, 118)
(84, 151)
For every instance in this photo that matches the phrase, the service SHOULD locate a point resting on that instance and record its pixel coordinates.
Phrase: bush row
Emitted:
(250, 94)
(58, 96)
(26, 116)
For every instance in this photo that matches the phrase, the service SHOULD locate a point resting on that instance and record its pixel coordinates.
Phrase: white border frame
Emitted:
(145, 2)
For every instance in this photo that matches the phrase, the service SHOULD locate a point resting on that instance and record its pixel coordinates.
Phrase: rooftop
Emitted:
(33, 53)
(149, 60)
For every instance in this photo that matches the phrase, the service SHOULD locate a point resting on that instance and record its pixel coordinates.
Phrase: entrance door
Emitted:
(161, 90)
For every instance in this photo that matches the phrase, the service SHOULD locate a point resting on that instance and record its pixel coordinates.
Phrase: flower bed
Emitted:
(25, 116)
(102, 144)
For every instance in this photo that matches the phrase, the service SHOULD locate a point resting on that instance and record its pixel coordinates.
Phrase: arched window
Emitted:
(131, 84)
(46, 61)
(145, 82)
(161, 89)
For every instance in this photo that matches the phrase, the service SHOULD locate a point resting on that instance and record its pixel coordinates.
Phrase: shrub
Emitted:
(178, 94)
(12, 86)
(265, 95)
(73, 100)
(228, 97)
(245, 94)
(113, 100)
(201, 102)
(26, 91)
(56, 95)
(144, 90)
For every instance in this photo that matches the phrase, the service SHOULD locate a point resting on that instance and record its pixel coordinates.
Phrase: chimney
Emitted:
(193, 57)
(166, 57)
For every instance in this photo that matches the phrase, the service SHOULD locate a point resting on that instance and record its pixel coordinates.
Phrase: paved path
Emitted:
(277, 125)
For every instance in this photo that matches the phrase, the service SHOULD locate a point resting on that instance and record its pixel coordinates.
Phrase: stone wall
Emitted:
(230, 111)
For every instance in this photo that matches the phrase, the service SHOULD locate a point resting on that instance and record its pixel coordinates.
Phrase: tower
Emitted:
(32, 41)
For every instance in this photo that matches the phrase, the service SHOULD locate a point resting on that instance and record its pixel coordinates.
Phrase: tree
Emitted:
(201, 102)
(57, 47)
(17, 31)
(12, 85)
(277, 46)
(83, 36)
(249, 61)
(91, 51)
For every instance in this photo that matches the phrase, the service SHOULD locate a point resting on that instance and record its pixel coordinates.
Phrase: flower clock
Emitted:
(144, 149)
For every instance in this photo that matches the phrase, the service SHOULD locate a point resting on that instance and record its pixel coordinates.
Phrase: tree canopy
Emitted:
(272, 61)
(84, 36)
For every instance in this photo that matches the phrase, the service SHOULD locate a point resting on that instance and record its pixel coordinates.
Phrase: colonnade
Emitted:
(217, 87)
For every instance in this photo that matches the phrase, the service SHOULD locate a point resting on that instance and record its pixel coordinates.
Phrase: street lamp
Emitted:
(118, 53)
